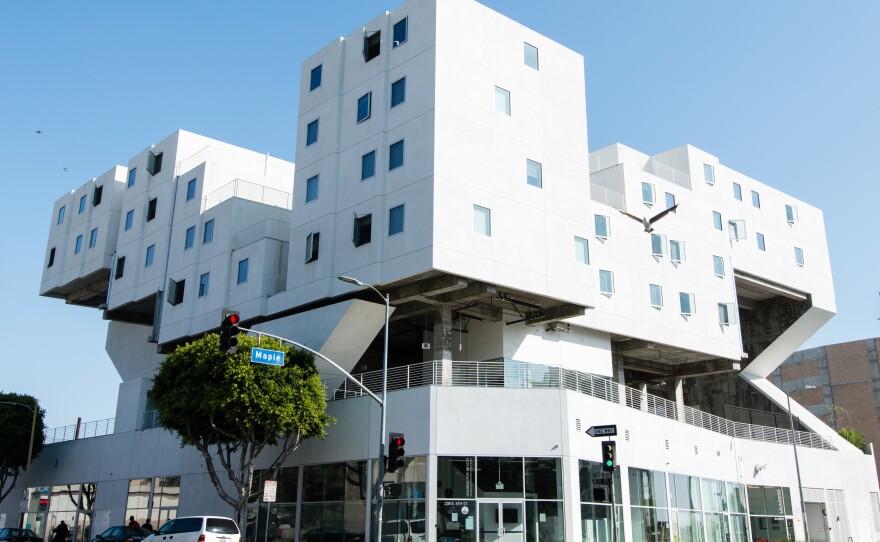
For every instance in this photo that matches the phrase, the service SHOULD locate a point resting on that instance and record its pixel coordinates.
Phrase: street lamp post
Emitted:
(797, 465)
(27, 470)
(384, 405)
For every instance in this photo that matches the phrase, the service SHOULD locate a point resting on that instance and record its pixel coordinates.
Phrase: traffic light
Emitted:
(396, 452)
(229, 331)
(609, 455)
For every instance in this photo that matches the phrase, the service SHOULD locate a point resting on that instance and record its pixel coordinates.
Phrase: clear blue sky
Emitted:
(785, 92)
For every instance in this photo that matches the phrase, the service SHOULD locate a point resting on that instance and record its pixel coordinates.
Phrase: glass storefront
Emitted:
(596, 494)
(71, 503)
(489, 499)
(770, 513)
(153, 501)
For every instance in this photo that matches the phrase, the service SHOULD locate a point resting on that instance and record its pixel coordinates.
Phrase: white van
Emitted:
(403, 530)
(197, 529)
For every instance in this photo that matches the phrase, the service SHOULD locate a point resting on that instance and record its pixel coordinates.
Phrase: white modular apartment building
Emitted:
(538, 291)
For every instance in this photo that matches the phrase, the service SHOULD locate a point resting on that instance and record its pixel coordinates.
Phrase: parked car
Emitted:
(18, 535)
(123, 533)
(331, 534)
(403, 530)
(197, 529)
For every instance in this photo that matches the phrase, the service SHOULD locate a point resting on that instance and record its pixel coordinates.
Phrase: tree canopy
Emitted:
(15, 426)
(231, 409)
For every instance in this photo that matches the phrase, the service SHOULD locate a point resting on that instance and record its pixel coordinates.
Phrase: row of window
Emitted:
(737, 231)
(368, 168)
(96, 200)
(361, 231)
(154, 166)
(791, 214)
(151, 206)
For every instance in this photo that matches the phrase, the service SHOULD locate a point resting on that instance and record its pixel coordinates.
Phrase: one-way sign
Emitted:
(602, 431)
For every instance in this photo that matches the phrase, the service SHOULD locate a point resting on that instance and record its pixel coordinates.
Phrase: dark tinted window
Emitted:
(316, 78)
(371, 45)
(187, 525)
(400, 32)
(221, 526)
(398, 92)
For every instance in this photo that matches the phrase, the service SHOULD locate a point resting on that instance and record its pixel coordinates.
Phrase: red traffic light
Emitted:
(233, 318)
(398, 441)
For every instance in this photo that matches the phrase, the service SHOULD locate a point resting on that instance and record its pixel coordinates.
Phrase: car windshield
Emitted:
(221, 526)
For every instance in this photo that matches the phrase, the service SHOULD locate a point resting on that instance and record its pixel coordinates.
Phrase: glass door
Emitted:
(501, 521)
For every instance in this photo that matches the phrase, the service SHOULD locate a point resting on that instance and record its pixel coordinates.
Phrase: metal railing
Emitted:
(608, 197)
(151, 419)
(669, 173)
(239, 188)
(79, 431)
(280, 284)
(514, 374)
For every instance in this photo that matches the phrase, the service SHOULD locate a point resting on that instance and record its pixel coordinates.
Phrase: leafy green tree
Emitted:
(15, 426)
(230, 409)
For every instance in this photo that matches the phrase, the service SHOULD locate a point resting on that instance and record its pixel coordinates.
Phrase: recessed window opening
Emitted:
(718, 266)
(51, 257)
(93, 238)
(312, 132)
(362, 230)
(502, 101)
(191, 189)
(656, 295)
(709, 173)
(82, 204)
(79, 244)
(315, 78)
(686, 302)
(312, 188)
(756, 200)
(175, 291)
(129, 220)
(530, 55)
(581, 250)
(243, 270)
(482, 221)
(190, 238)
(312, 246)
(372, 42)
(603, 226)
(533, 173)
(398, 92)
(120, 268)
(60, 215)
(203, 284)
(395, 155)
(606, 282)
(208, 234)
(96, 197)
(364, 106)
(151, 254)
(791, 214)
(737, 191)
(368, 165)
(648, 193)
(395, 220)
(154, 163)
(151, 209)
(132, 175)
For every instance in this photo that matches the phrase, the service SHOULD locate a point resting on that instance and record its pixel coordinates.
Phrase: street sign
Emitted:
(602, 431)
(269, 490)
(268, 357)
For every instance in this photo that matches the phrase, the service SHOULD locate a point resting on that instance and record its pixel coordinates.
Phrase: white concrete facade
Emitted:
(508, 319)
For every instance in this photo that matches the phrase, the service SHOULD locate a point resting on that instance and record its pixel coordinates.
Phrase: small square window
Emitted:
(312, 246)
(648, 193)
(372, 44)
(368, 165)
(606, 282)
(482, 221)
(132, 175)
(154, 163)
(756, 200)
(603, 226)
(312, 132)
(726, 314)
(190, 189)
(398, 92)
(502, 101)
(362, 230)
(243, 271)
(716, 221)
(79, 244)
(799, 256)
(656, 294)
(737, 229)
(175, 291)
(60, 215)
(670, 200)
(686, 302)
(581, 250)
(718, 266)
(51, 257)
(190, 238)
(791, 214)
(82, 204)
(93, 238)
(120, 268)
(151, 209)
(530, 55)
(399, 33)
(709, 173)
(96, 197)
(129, 220)
(363, 110)
(533, 173)
(760, 238)
(315, 78)
(395, 155)
(151, 254)
(312, 188)
(658, 244)
(676, 251)
(737, 191)
(203, 284)
(395, 220)
(208, 234)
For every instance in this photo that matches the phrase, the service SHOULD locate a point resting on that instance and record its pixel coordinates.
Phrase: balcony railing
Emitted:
(239, 188)
(79, 431)
(514, 374)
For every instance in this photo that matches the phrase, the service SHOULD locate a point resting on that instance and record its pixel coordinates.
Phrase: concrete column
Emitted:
(443, 342)
(679, 398)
